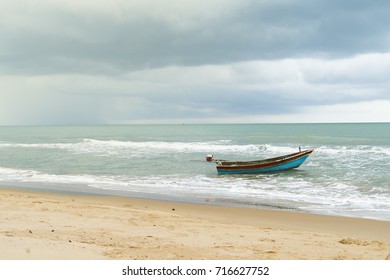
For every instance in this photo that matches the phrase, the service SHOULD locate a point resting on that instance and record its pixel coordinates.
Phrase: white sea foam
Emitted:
(359, 150)
(267, 190)
(133, 148)
(110, 147)
(163, 147)
(113, 147)
(221, 146)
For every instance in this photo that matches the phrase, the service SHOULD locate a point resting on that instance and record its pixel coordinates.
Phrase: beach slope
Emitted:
(38, 225)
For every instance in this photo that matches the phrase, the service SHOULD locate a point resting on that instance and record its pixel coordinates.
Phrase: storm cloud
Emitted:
(197, 61)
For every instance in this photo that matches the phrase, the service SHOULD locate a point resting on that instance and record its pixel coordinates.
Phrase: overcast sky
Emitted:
(194, 61)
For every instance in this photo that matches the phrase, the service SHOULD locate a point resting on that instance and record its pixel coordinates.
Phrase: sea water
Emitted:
(348, 174)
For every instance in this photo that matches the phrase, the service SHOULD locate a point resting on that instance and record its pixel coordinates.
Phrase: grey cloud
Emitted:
(63, 40)
(96, 62)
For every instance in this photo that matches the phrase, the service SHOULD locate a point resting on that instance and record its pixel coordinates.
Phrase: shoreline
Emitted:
(42, 225)
(93, 192)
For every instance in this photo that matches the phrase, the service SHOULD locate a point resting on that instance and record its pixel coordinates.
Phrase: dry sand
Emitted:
(36, 225)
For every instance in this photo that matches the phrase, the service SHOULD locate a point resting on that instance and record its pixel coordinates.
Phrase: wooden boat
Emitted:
(275, 164)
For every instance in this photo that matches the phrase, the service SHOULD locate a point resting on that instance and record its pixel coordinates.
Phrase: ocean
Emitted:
(348, 174)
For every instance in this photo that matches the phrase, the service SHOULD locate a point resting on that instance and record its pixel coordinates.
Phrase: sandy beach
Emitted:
(38, 225)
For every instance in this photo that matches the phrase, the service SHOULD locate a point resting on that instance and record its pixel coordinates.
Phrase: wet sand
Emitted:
(38, 225)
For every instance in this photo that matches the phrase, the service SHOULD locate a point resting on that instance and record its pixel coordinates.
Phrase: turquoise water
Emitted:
(348, 174)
